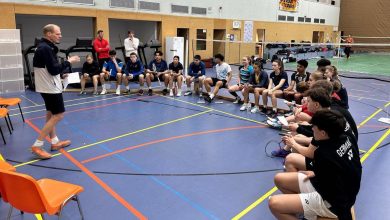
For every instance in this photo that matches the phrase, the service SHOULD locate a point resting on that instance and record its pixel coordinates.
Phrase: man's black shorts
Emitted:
(54, 102)
(215, 80)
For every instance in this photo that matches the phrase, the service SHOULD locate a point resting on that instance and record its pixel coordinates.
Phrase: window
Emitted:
(301, 19)
(198, 11)
(179, 9)
(290, 18)
(322, 21)
(281, 18)
(201, 34)
(316, 20)
(308, 20)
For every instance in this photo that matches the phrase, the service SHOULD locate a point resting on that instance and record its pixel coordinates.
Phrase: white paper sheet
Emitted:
(72, 78)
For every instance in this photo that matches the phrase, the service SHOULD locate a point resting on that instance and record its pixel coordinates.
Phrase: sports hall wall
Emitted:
(367, 19)
(79, 21)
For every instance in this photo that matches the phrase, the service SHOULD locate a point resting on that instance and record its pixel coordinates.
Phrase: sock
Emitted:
(212, 96)
(127, 87)
(38, 143)
(233, 93)
(149, 87)
(55, 140)
(103, 86)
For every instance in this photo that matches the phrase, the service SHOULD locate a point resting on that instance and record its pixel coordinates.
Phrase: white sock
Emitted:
(38, 143)
(104, 86)
(55, 140)
(118, 87)
(179, 90)
(127, 87)
(149, 87)
(212, 96)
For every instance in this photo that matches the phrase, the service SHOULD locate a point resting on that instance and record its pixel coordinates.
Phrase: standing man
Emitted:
(131, 45)
(102, 47)
(47, 71)
(347, 49)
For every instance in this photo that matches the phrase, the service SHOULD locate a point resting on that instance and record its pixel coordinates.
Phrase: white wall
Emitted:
(258, 10)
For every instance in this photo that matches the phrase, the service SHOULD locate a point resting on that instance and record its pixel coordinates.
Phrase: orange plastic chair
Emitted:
(37, 197)
(4, 114)
(12, 102)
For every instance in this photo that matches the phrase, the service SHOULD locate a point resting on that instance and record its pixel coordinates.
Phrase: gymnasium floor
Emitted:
(172, 158)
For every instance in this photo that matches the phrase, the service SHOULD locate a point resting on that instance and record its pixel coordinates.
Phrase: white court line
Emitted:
(29, 100)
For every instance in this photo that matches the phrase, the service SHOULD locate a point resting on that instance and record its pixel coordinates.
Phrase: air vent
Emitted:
(290, 18)
(80, 2)
(198, 11)
(122, 4)
(281, 18)
(179, 9)
(150, 6)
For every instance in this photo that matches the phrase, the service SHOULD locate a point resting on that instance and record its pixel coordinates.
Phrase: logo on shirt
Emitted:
(344, 148)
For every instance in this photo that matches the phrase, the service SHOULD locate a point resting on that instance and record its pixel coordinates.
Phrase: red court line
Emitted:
(168, 139)
(108, 189)
(98, 106)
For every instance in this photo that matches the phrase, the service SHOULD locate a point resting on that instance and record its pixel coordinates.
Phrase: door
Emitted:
(218, 46)
(174, 47)
(185, 32)
(260, 39)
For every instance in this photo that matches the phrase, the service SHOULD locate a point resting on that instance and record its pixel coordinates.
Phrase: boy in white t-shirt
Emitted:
(224, 75)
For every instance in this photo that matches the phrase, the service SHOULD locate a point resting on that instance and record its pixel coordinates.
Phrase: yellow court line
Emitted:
(120, 136)
(39, 217)
(80, 103)
(1, 157)
(365, 156)
(253, 205)
(216, 110)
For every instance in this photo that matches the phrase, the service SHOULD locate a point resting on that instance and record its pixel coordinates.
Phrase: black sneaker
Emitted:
(274, 114)
(263, 111)
(207, 98)
(150, 92)
(237, 100)
(188, 93)
(140, 92)
(165, 91)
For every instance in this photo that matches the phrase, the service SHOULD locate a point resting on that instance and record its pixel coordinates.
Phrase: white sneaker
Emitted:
(171, 93)
(255, 110)
(104, 91)
(178, 93)
(118, 91)
(200, 95)
(244, 106)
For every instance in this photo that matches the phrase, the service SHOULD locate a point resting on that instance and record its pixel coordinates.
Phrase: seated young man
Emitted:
(112, 70)
(196, 74)
(301, 75)
(157, 68)
(258, 81)
(176, 75)
(224, 75)
(332, 181)
(90, 72)
(134, 72)
(245, 72)
(277, 83)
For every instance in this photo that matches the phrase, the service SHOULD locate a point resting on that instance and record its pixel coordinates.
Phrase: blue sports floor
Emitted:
(155, 157)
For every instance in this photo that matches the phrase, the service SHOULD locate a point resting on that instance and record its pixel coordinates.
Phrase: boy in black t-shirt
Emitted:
(330, 187)
(176, 72)
(291, 93)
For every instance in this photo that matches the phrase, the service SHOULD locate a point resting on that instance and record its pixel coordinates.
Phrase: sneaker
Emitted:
(40, 153)
(255, 109)
(272, 119)
(237, 100)
(178, 93)
(273, 114)
(187, 93)
(263, 111)
(150, 92)
(274, 124)
(280, 153)
(244, 106)
(60, 144)
(140, 92)
(207, 98)
(118, 91)
(83, 92)
(171, 93)
(104, 91)
(165, 91)
(95, 93)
